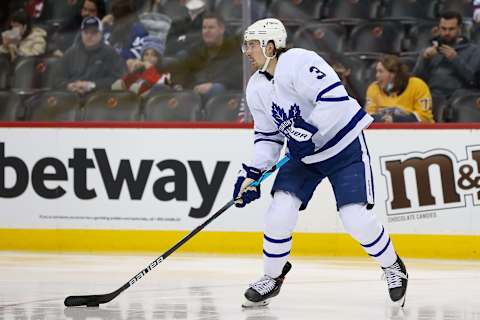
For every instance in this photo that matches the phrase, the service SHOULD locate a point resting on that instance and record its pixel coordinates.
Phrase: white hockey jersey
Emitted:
(304, 85)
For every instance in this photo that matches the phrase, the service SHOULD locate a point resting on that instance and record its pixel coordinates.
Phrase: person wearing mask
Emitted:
(396, 96)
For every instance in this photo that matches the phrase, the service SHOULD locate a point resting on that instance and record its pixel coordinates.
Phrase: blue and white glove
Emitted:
(242, 193)
(300, 142)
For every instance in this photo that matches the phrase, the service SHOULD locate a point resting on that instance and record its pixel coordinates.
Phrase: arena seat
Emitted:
(224, 107)
(300, 11)
(464, 7)
(408, 10)
(4, 72)
(174, 106)
(53, 106)
(323, 37)
(420, 36)
(232, 10)
(11, 106)
(384, 37)
(466, 108)
(31, 73)
(112, 106)
(351, 10)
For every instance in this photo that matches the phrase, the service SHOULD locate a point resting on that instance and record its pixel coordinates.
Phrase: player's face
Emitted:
(253, 51)
(383, 75)
(449, 30)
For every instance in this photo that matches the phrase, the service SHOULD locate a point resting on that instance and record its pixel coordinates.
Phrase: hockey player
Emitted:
(296, 95)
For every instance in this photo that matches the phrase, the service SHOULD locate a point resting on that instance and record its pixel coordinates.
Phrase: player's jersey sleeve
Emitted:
(422, 100)
(268, 141)
(373, 92)
(316, 80)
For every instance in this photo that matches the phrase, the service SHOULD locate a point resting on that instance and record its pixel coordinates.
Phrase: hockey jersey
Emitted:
(304, 85)
(414, 99)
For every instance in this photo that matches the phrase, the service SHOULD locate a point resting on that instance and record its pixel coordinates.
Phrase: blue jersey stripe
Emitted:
(381, 251)
(277, 240)
(267, 133)
(330, 87)
(340, 134)
(333, 99)
(269, 140)
(376, 240)
(273, 255)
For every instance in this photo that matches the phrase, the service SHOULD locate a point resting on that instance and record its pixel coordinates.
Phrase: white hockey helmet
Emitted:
(266, 30)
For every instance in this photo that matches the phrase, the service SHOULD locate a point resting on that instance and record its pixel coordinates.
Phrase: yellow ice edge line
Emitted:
(304, 244)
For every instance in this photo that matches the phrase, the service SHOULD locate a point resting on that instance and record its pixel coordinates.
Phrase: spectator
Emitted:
(70, 32)
(343, 67)
(396, 96)
(89, 64)
(215, 66)
(476, 11)
(186, 28)
(23, 39)
(123, 30)
(145, 74)
(450, 64)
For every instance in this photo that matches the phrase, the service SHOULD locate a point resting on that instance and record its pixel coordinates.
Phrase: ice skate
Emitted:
(260, 292)
(397, 279)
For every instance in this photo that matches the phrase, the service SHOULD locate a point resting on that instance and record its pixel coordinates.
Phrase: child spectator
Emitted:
(145, 74)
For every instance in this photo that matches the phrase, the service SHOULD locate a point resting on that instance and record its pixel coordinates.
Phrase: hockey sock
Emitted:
(364, 227)
(280, 220)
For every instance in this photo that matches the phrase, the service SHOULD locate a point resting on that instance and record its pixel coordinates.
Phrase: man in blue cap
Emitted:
(90, 64)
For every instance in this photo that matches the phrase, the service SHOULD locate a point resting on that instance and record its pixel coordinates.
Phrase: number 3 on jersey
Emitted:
(320, 74)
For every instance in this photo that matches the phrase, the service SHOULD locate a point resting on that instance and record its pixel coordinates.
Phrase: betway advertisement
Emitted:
(426, 181)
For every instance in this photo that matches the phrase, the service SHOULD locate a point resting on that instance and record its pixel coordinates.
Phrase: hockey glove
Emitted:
(242, 193)
(300, 142)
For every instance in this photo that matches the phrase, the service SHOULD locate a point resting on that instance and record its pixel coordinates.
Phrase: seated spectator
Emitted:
(451, 62)
(123, 30)
(396, 96)
(145, 74)
(70, 31)
(23, 39)
(210, 69)
(89, 64)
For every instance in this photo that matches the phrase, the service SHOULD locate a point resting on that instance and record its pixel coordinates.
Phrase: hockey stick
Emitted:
(96, 300)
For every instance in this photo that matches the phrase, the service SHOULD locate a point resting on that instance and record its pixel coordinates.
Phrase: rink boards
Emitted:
(124, 188)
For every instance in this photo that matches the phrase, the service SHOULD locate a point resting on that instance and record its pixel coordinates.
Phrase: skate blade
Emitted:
(247, 304)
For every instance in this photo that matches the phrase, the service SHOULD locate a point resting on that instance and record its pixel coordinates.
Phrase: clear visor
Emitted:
(250, 45)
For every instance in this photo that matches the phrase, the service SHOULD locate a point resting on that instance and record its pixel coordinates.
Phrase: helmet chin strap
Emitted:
(267, 61)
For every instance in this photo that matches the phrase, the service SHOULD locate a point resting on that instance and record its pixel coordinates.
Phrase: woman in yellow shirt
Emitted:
(396, 96)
